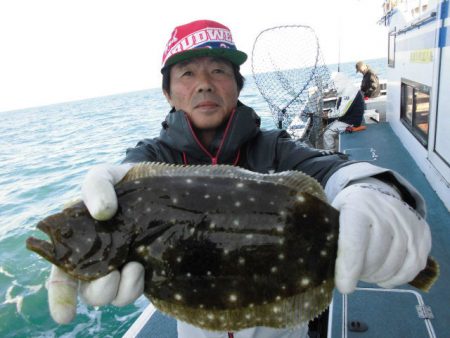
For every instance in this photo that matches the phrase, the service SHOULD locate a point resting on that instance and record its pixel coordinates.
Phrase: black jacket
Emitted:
(370, 84)
(239, 142)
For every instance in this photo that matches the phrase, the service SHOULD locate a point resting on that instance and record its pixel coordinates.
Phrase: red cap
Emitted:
(201, 38)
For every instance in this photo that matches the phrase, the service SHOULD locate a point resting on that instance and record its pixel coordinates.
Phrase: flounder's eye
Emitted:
(66, 231)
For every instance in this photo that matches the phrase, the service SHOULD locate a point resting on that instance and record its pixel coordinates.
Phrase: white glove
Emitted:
(117, 288)
(98, 191)
(382, 240)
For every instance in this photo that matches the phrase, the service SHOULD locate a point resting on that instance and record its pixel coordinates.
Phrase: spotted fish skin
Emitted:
(223, 248)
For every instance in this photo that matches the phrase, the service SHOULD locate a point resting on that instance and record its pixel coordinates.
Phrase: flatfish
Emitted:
(223, 248)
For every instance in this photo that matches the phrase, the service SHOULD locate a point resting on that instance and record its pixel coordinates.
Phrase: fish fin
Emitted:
(299, 181)
(293, 179)
(427, 277)
(147, 169)
(72, 203)
(289, 312)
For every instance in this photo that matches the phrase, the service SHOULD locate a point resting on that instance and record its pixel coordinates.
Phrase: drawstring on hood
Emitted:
(200, 144)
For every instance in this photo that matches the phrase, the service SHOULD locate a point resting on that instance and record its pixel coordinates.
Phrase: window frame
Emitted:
(410, 118)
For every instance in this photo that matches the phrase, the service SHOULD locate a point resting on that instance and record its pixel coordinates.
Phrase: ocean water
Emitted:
(44, 154)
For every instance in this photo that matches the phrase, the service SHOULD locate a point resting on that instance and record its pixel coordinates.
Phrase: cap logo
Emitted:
(203, 38)
(172, 39)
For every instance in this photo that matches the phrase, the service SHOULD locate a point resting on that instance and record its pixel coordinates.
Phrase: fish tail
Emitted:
(427, 277)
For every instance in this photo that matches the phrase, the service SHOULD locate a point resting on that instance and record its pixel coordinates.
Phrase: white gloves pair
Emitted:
(381, 240)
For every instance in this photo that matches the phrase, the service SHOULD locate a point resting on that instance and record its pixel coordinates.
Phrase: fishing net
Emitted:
(291, 75)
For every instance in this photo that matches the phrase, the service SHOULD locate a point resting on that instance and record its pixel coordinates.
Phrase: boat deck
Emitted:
(387, 313)
(152, 324)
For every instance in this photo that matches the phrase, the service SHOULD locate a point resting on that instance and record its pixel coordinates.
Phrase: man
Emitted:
(370, 84)
(387, 245)
(348, 111)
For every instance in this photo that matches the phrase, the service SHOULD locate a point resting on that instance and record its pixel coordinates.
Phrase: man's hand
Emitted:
(382, 240)
(117, 288)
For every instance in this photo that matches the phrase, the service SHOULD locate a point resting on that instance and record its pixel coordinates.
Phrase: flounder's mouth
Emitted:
(43, 248)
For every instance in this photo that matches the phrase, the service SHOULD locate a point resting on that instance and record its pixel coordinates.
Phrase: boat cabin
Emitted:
(418, 86)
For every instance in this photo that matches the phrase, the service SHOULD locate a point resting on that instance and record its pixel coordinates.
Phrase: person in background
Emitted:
(348, 111)
(370, 85)
(207, 124)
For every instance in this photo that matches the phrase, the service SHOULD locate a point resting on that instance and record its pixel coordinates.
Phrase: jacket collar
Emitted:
(242, 126)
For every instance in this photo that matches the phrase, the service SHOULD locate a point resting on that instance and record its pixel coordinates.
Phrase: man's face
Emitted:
(205, 88)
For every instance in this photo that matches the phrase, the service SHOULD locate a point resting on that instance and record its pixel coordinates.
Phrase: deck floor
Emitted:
(391, 313)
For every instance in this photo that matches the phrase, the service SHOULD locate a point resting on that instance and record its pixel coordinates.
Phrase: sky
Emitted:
(54, 51)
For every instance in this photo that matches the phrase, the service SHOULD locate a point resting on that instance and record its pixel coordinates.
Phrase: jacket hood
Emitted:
(242, 126)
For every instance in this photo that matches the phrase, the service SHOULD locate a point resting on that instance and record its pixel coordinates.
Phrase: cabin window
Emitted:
(418, 7)
(415, 109)
(391, 49)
